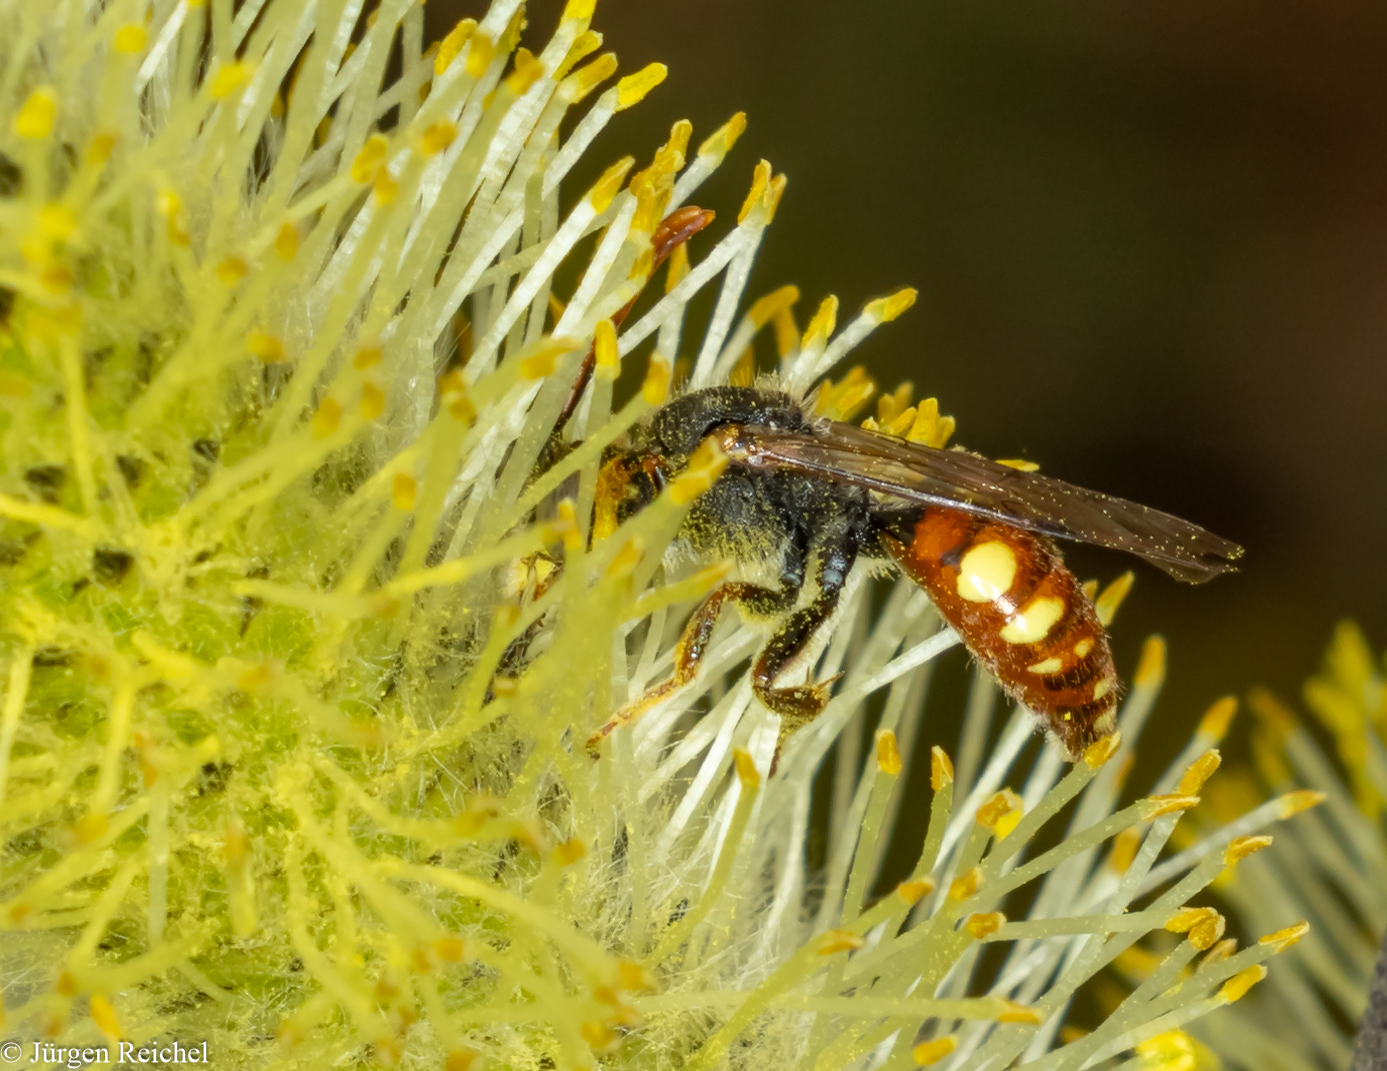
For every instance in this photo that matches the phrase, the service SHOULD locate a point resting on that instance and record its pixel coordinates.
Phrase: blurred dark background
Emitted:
(1151, 248)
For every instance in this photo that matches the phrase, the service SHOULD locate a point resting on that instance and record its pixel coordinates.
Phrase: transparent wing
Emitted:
(913, 472)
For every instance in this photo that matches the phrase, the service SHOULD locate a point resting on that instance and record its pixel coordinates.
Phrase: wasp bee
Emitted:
(805, 498)
(810, 497)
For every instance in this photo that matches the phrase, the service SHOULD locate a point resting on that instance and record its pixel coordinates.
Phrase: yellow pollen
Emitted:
(986, 572)
(1033, 622)
(1082, 648)
(1103, 687)
(1050, 665)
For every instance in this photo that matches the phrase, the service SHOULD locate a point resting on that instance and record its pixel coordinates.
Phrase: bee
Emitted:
(809, 497)
(805, 498)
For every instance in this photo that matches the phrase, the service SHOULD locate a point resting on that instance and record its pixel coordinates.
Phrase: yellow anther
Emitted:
(372, 401)
(1292, 803)
(1155, 806)
(480, 53)
(1199, 771)
(527, 71)
(1218, 717)
(1124, 850)
(915, 890)
(765, 309)
(404, 491)
(679, 135)
(841, 401)
(100, 147)
(437, 137)
(1237, 986)
(888, 755)
(57, 277)
(570, 851)
(538, 365)
(67, 985)
(451, 45)
(760, 179)
(287, 241)
(568, 525)
(584, 45)
(984, 925)
(929, 427)
(786, 331)
(1004, 802)
(36, 115)
(835, 941)
(1090, 590)
(890, 406)
(632, 89)
(1207, 932)
(450, 949)
(585, 79)
(1018, 1013)
(130, 38)
(1187, 918)
(625, 560)
(460, 1060)
(1151, 667)
(884, 310)
(104, 1016)
(633, 976)
(931, 1052)
(607, 355)
(821, 326)
(327, 418)
(941, 770)
(1219, 952)
(385, 188)
(609, 184)
(265, 346)
(231, 271)
(1112, 596)
(369, 158)
(1172, 1051)
(90, 827)
(579, 9)
(655, 388)
(747, 773)
(1020, 464)
(704, 468)
(230, 78)
(722, 139)
(965, 886)
(1242, 847)
(1101, 750)
(1283, 939)
(367, 357)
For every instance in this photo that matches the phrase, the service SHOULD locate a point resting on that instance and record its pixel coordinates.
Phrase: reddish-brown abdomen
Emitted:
(1022, 614)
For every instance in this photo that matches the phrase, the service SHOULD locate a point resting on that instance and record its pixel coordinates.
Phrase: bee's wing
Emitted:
(957, 480)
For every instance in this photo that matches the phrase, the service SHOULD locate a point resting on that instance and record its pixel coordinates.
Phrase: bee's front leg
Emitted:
(693, 645)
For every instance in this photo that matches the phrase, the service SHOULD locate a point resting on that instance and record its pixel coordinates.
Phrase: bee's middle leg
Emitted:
(801, 704)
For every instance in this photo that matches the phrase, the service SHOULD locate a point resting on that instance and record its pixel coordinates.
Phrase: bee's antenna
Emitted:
(674, 230)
